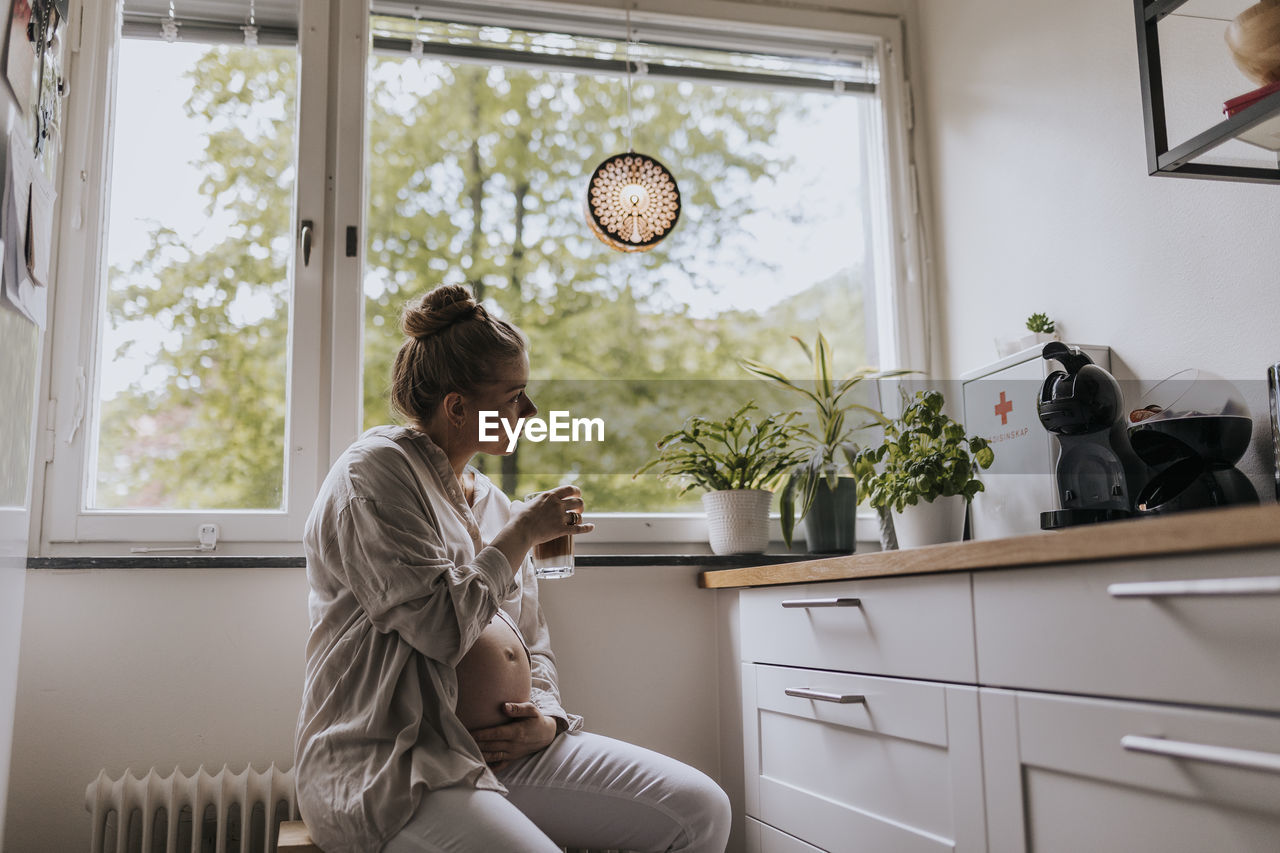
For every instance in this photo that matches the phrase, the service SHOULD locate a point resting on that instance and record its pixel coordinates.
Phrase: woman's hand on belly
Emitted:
(493, 673)
(528, 732)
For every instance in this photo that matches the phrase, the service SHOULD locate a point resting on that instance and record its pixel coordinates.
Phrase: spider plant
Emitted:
(829, 448)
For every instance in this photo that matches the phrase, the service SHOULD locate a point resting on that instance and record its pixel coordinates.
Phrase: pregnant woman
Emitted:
(431, 716)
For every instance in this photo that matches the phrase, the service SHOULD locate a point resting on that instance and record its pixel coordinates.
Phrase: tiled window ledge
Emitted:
(708, 561)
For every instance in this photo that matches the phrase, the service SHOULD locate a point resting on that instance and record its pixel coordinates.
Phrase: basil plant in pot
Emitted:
(737, 462)
(927, 471)
(823, 486)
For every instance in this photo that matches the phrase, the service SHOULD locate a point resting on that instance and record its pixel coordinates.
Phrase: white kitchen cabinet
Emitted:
(871, 626)
(762, 838)
(1127, 705)
(1067, 774)
(852, 762)
(1200, 628)
(847, 761)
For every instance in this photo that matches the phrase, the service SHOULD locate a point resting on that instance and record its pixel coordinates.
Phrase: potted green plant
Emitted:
(830, 449)
(925, 471)
(737, 461)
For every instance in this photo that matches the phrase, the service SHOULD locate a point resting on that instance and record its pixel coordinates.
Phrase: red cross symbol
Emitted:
(1003, 408)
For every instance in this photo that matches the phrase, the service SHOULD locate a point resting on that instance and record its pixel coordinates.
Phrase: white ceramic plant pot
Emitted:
(1009, 346)
(933, 523)
(738, 520)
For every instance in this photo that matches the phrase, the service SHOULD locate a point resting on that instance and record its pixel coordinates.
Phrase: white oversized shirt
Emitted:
(402, 583)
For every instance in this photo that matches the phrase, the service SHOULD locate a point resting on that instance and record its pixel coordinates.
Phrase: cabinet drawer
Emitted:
(762, 838)
(914, 627)
(1071, 774)
(1164, 629)
(849, 762)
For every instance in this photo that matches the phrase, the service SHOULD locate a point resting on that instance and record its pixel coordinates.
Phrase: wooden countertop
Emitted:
(1227, 529)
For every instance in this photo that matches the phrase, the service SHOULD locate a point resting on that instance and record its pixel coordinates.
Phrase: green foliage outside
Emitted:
(211, 415)
(474, 176)
(924, 455)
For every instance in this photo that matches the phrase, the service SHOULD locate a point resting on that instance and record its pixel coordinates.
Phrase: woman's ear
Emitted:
(454, 410)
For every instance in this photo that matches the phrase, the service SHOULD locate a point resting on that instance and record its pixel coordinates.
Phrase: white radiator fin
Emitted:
(147, 796)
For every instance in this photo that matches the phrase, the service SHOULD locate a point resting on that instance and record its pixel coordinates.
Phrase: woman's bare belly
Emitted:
(495, 670)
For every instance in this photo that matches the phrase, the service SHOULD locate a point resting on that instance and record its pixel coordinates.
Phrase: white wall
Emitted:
(19, 358)
(164, 668)
(1043, 203)
(13, 556)
(142, 668)
(20, 344)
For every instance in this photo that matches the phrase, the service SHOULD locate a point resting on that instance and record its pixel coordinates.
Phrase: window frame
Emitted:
(67, 527)
(327, 301)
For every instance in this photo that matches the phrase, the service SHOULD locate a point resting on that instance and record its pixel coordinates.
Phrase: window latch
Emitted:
(308, 227)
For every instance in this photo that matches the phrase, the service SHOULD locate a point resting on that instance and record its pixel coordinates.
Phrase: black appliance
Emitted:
(1083, 407)
(1197, 433)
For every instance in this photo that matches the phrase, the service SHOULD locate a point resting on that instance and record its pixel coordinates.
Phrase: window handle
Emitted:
(308, 227)
(1249, 759)
(1207, 587)
(822, 602)
(838, 698)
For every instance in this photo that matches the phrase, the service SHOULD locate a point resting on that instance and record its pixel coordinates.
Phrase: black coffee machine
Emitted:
(1083, 406)
(1191, 431)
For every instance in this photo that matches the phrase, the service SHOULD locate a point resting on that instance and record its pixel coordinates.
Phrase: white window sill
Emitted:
(616, 535)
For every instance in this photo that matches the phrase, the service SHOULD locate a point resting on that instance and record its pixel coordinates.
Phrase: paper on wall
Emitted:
(26, 228)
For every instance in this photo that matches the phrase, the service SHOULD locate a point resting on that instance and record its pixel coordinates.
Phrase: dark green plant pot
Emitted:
(831, 524)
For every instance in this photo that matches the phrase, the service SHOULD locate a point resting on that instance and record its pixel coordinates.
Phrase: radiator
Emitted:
(224, 812)
(132, 815)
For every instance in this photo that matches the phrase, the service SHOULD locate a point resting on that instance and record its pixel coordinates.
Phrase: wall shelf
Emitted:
(1180, 161)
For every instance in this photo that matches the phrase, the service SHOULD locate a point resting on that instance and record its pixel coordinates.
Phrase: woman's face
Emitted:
(506, 396)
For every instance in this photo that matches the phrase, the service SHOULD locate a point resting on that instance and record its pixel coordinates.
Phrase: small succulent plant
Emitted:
(1040, 323)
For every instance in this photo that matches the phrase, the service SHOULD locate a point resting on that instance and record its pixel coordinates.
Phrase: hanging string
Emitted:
(628, 58)
(169, 26)
(416, 49)
(251, 30)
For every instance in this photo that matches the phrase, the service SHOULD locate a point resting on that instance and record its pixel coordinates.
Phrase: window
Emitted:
(185, 335)
(476, 173)
(192, 369)
(214, 391)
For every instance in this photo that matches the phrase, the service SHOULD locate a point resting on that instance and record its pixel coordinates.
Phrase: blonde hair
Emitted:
(453, 344)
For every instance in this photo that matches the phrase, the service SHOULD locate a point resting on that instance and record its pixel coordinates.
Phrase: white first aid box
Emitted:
(1000, 405)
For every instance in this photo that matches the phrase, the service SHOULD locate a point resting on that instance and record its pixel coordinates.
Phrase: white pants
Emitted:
(583, 790)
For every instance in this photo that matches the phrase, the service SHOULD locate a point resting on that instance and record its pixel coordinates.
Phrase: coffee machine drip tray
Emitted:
(1091, 486)
(1090, 475)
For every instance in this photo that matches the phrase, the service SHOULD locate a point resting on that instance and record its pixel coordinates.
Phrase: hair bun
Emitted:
(438, 310)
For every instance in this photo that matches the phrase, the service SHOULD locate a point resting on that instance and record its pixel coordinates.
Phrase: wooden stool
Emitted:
(294, 838)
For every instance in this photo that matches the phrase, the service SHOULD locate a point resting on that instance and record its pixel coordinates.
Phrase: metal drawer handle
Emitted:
(1246, 758)
(1213, 586)
(838, 698)
(822, 602)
